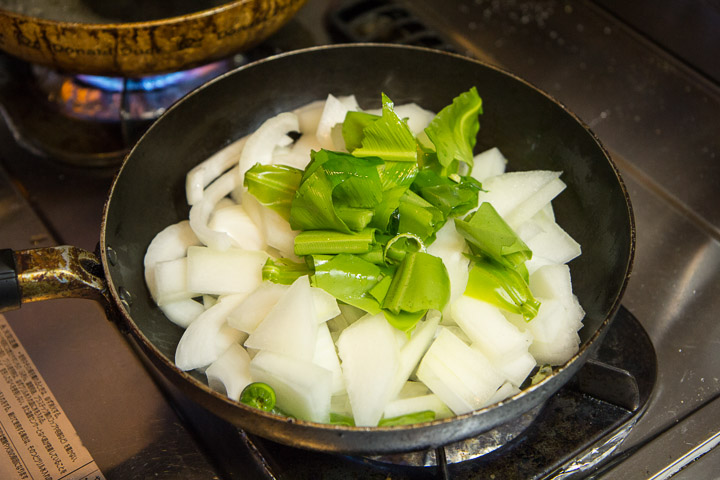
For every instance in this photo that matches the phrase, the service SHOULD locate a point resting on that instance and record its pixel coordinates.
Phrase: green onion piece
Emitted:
(421, 282)
(311, 242)
(388, 138)
(274, 186)
(502, 286)
(489, 234)
(283, 270)
(259, 395)
(408, 419)
(454, 129)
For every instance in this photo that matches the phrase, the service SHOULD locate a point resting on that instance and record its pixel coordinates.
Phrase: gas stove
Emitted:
(645, 406)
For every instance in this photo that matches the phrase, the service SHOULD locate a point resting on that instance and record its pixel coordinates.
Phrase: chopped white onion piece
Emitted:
(414, 348)
(199, 346)
(326, 356)
(171, 283)
(406, 406)
(235, 221)
(171, 243)
(334, 112)
(217, 272)
(508, 191)
(326, 306)
(290, 328)
(488, 164)
(417, 117)
(253, 310)
(261, 143)
(370, 357)
(230, 373)
(201, 211)
(460, 375)
(302, 388)
(204, 173)
(183, 312)
(309, 115)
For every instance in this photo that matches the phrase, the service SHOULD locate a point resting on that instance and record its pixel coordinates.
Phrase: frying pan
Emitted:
(130, 38)
(531, 129)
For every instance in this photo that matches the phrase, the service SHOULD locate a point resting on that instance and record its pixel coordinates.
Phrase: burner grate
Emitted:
(381, 21)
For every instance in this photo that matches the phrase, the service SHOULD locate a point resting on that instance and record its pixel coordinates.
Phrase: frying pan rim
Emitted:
(119, 26)
(580, 356)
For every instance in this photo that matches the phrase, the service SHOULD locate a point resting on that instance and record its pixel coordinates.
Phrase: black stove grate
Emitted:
(381, 21)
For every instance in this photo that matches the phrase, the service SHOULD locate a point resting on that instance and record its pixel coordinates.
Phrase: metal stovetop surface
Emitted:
(659, 118)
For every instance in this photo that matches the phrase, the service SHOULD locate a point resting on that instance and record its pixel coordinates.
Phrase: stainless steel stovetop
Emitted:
(653, 102)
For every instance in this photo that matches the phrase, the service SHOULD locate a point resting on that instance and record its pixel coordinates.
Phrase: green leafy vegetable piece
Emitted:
(489, 234)
(355, 218)
(408, 419)
(349, 279)
(283, 270)
(353, 126)
(274, 186)
(397, 247)
(404, 321)
(454, 129)
(312, 242)
(388, 138)
(259, 395)
(452, 197)
(334, 180)
(385, 210)
(419, 217)
(421, 282)
(502, 286)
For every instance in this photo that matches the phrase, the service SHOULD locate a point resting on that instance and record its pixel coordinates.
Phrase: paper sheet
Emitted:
(37, 440)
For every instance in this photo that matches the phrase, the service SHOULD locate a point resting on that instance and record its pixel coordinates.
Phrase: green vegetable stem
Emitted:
(259, 395)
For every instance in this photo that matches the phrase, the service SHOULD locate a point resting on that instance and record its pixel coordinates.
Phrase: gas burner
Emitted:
(88, 120)
(116, 99)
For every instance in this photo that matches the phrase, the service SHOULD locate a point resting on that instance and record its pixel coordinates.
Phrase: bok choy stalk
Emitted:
(366, 216)
(453, 131)
(498, 273)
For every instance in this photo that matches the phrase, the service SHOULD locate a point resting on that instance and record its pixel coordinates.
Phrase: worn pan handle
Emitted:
(49, 273)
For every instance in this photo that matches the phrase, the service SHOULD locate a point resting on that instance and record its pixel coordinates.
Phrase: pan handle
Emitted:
(49, 273)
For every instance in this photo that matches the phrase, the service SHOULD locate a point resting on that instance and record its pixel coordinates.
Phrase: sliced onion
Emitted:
(200, 212)
(333, 113)
(170, 244)
(198, 347)
(260, 144)
(204, 173)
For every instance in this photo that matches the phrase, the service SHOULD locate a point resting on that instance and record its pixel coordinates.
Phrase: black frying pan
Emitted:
(531, 129)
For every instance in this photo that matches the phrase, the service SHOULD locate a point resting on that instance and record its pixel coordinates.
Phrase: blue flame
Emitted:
(146, 84)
